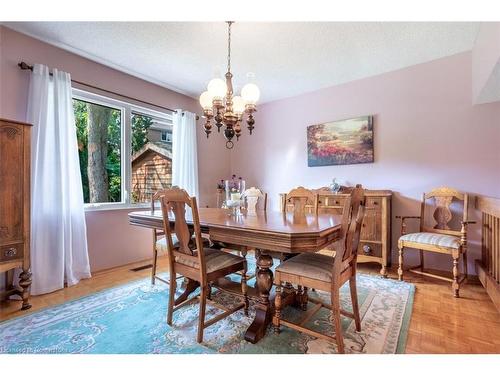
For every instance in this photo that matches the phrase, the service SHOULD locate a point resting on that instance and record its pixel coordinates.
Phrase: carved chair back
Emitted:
(254, 198)
(352, 219)
(174, 203)
(301, 201)
(156, 197)
(442, 199)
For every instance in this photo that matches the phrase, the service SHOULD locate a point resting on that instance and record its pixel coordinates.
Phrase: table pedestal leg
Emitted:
(263, 315)
(188, 287)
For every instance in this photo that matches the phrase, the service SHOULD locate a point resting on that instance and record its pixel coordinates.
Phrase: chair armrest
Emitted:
(463, 230)
(468, 222)
(403, 222)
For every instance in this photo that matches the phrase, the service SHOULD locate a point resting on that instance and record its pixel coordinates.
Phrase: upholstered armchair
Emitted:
(438, 237)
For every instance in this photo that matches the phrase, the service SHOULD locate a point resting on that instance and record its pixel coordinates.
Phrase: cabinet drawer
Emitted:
(331, 201)
(370, 249)
(11, 252)
(373, 202)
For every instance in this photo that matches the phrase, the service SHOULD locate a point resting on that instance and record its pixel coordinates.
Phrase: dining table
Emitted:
(268, 233)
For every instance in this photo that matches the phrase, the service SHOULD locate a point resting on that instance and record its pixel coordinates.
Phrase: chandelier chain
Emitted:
(229, 46)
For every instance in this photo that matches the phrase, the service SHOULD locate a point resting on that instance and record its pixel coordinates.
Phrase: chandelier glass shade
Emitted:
(226, 110)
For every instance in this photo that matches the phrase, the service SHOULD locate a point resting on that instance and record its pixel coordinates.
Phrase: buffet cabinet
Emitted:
(375, 242)
(15, 207)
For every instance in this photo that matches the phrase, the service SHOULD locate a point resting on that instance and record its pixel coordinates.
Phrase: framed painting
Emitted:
(340, 142)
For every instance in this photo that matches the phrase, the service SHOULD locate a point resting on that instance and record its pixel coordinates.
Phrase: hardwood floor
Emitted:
(440, 323)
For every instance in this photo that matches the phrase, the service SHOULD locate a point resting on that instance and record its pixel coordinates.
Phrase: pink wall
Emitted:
(485, 56)
(112, 241)
(427, 134)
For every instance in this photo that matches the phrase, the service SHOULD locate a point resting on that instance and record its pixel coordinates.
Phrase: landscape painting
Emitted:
(340, 142)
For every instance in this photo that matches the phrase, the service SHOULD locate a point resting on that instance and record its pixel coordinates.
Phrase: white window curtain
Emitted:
(58, 231)
(184, 152)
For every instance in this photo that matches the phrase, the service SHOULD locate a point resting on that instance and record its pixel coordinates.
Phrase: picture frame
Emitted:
(341, 142)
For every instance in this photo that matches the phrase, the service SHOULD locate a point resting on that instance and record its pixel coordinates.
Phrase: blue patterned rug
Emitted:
(132, 319)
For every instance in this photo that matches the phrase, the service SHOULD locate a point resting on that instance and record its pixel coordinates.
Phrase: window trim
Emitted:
(126, 109)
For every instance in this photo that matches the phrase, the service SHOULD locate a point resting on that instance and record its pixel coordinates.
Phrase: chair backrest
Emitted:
(155, 198)
(352, 219)
(301, 201)
(442, 199)
(253, 198)
(173, 204)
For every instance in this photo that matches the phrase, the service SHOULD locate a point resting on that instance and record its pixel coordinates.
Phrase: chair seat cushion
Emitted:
(161, 244)
(436, 239)
(215, 260)
(311, 265)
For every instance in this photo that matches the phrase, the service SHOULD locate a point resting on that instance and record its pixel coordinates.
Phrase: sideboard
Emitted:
(375, 243)
(15, 160)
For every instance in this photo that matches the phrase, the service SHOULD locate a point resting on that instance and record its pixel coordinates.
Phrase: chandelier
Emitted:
(227, 110)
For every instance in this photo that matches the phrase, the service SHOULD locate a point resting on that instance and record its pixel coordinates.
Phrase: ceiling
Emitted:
(288, 58)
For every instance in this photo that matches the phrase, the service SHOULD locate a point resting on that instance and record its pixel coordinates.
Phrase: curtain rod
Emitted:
(24, 66)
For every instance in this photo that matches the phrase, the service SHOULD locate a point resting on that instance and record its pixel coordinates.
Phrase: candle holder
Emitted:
(234, 190)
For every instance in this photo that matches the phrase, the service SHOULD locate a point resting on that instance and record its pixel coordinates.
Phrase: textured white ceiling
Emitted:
(288, 58)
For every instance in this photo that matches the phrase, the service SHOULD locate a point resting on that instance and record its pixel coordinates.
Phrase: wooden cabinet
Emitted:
(375, 243)
(15, 206)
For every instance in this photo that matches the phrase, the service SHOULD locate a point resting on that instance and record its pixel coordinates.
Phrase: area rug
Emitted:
(132, 319)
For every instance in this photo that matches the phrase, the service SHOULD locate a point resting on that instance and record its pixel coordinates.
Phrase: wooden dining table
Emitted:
(268, 232)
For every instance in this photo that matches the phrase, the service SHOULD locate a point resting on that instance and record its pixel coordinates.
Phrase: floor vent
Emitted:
(140, 268)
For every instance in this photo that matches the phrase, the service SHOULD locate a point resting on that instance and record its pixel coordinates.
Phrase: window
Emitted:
(166, 136)
(125, 151)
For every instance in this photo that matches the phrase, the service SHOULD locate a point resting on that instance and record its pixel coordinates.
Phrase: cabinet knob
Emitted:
(10, 252)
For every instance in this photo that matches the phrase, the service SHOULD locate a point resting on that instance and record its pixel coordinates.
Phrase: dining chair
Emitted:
(438, 237)
(326, 273)
(159, 240)
(300, 201)
(194, 261)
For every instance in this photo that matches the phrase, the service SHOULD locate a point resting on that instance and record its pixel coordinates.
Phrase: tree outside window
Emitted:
(102, 161)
